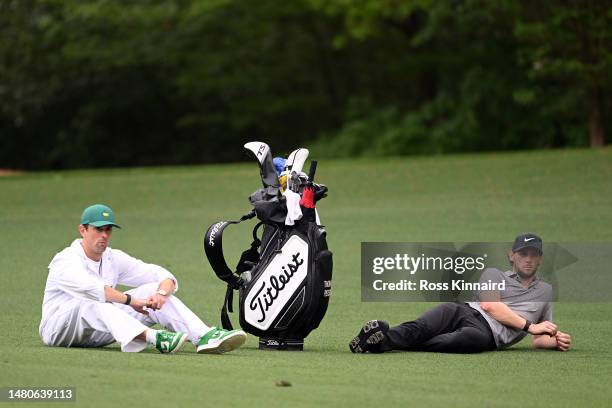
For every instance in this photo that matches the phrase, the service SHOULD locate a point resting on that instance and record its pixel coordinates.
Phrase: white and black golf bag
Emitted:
(284, 278)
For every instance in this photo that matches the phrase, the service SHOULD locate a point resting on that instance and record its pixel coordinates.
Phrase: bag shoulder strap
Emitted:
(213, 247)
(226, 323)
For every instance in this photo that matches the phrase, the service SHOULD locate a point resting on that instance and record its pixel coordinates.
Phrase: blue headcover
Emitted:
(279, 164)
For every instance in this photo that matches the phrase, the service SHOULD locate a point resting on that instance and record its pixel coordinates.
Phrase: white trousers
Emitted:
(88, 323)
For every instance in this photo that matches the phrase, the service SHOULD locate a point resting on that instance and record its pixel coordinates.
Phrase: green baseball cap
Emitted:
(98, 215)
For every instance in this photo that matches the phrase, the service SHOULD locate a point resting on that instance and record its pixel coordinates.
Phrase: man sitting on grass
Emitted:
(499, 320)
(81, 308)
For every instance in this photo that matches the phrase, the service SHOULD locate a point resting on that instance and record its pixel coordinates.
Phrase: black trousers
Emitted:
(447, 328)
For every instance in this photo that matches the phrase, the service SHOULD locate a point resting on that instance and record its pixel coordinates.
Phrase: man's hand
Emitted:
(139, 305)
(563, 341)
(543, 328)
(156, 301)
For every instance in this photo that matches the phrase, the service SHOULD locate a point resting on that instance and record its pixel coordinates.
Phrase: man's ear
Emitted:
(511, 257)
(82, 229)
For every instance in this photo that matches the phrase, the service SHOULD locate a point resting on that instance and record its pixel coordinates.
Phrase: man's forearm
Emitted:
(503, 314)
(113, 295)
(544, 342)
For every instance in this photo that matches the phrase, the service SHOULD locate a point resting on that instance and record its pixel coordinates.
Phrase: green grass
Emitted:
(563, 195)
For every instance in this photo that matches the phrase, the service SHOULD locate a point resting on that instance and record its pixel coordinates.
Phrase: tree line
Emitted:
(89, 83)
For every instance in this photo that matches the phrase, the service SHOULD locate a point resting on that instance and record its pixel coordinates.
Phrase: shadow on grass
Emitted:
(248, 351)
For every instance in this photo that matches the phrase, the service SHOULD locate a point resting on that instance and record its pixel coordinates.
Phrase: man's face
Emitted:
(95, 239)
(526, 261)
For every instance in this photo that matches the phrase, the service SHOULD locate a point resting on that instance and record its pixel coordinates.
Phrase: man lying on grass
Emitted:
(499, 320)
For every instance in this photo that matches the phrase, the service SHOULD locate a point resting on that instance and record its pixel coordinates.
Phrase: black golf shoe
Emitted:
(370, 337)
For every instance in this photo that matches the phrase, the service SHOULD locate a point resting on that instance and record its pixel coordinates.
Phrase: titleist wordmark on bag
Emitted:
(284, 278)
(277, 283)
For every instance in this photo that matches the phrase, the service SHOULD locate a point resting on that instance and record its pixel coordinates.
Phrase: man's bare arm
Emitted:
(543, 341)
(560, 341)
(115, 296)
(503, 314)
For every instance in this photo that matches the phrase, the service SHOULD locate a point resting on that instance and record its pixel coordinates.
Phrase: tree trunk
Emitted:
(596, 130)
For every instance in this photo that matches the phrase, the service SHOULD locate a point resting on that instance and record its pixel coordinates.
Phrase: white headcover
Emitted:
(296, 160)
(260, 150)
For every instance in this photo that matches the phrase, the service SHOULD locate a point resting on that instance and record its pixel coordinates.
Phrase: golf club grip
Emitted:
(312, 171)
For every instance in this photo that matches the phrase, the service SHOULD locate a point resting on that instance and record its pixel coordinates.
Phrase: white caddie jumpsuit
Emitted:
(74, 311)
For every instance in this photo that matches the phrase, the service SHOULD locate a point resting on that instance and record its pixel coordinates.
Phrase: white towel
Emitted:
(294, 212)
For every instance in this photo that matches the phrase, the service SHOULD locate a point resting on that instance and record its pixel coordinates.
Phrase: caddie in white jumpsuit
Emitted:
(81, 308)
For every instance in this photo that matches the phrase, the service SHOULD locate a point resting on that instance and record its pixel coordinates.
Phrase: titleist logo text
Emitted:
(269, 291)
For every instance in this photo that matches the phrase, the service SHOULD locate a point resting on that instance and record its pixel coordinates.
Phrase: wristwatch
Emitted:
(162, 292)
(526, 327)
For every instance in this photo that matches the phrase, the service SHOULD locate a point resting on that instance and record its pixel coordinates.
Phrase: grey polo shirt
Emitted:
(532, 303)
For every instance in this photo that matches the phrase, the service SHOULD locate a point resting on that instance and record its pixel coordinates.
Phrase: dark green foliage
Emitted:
(102, 83)
(502, 75)
(125, 83)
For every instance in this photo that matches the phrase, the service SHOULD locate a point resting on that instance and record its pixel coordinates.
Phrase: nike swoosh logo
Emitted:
(529, 239)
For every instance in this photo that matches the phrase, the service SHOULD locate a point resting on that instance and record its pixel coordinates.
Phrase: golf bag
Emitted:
(284, 278)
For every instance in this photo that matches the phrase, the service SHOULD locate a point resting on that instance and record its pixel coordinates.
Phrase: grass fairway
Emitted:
(563, 195)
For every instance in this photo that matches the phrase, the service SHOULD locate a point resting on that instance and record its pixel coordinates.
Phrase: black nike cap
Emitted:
(527, 240)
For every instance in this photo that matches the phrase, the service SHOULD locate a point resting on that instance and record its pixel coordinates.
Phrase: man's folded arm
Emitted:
(503, 314)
